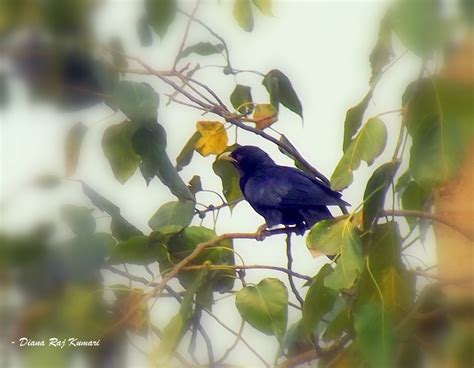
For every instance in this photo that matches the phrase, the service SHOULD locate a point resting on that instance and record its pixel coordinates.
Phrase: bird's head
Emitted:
(247, 159)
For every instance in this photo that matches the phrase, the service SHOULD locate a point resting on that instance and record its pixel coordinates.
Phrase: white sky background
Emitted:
(322, 46)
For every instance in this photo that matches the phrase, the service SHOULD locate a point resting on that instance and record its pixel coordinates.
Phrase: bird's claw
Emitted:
(261, 232)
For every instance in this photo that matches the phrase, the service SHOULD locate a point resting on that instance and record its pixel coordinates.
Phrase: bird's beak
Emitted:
(227, 157)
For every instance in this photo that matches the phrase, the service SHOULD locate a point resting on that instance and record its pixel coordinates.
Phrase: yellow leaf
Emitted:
(264, 115)
(213, 138)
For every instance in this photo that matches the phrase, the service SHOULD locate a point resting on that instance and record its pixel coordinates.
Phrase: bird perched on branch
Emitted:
(282, 195)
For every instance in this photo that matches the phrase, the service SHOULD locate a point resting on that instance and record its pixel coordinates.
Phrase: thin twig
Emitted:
(290, 276)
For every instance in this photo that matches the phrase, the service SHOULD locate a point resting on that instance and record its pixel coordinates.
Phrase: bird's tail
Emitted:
(316, 214)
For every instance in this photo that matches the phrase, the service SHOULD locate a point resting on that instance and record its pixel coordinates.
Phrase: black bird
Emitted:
(282, 195)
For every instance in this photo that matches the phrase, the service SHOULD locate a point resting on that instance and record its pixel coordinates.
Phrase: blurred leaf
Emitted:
(118, 58)
(436, 152)
(375, 335)
(79, 219)
(195, 184)
(419, 25)
(202, 48)
(213, 138)
(175, 329)
(375, 191)
(72, 147)
(414, 197)
(150, 144)
(335, 328)
(137, 100)
(403, 181)
(467, 11)
(135, 250)
(47, 181)
(241, 99)
(243, 14)
(264, 306)
(230, 180)
(80, 313)
(319, 300)
(264, 115)
(367, 146)
(382, 52)
(339, 237)
(160, 14)
(132, 307)
(4, 88)
(386, 276)
(265, 6)
(118, 149)
(186, 154)
(439, 118)
(176, 214)
(354, 118)
(296, 340)
(281, 91)
(120, 227)
(144, 32)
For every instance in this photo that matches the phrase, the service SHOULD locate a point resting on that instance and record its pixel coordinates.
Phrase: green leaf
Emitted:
(120, 227)
(414, 197)
(367, 146)
(319, 300)
(72, 147)
(264, 306)
(118, 149)
(436, 152)
(183, 243)
(203, 49)
(439, 119)
(327, 236)
(375, 335)
(403, 181)
(230, 180)
(375, 191)
(382, 52)
(186, 154)
(281, 91)
(350, 262)
(176, 327)
(195, 184)
(335, 328)
(419, 25)
(137, 100)
(135, 250)
(241, 99)
(150, 144)
(243, 14)
(354, 118)
(385, 280)
(175, 214)
(160, 14)
(265, 6)
(79, 219)
(296, 340)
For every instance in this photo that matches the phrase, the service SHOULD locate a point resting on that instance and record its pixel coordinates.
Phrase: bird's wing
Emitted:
(285, 187)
